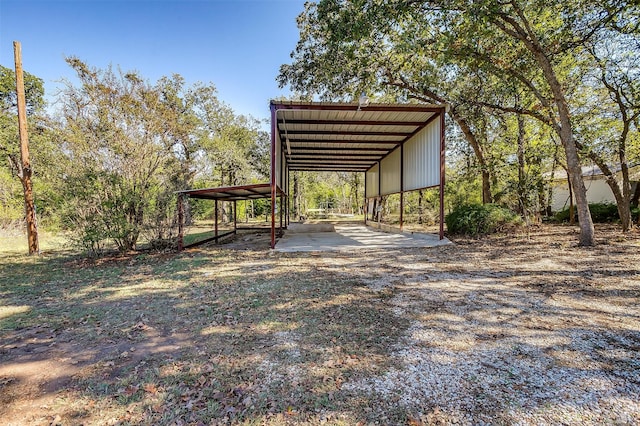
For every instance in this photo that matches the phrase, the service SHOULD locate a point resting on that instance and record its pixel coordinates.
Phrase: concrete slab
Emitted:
(351, 237)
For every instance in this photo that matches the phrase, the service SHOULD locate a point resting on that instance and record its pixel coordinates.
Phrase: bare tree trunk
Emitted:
(523, 199)
(623, 197)
(572, 213)
(527, 35)
(25, 171)
(420, 208)
(477, 149)
(636, 196)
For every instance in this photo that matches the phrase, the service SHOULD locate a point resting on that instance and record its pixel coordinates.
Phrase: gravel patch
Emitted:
(488, 346)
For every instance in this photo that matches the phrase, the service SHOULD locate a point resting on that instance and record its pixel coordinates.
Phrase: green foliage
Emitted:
(481, 219)
(33, 90)
(600, 213)
(11, 200)
(133, 144)
(550, 64)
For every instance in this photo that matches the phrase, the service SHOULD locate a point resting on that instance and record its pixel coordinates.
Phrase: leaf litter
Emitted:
(507, 330)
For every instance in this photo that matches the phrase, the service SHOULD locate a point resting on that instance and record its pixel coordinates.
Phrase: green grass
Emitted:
(15, 242)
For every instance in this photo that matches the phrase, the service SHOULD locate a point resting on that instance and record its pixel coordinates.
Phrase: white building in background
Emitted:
(597, 189)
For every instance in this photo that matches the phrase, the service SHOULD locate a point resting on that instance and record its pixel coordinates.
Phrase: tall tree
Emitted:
(34, 93)
(41, 150)
(530, 44)
(128, 141)
(347, 48)
(608, 121)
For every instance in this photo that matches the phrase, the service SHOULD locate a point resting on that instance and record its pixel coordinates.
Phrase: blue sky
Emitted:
(236, 45)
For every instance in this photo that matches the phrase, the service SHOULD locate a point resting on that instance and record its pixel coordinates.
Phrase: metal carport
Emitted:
(399, 147)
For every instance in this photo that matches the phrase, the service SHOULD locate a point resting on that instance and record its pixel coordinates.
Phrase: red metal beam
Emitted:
(354, 122)
(329, 166)
(336, 160)
(304, 169)
(320, 149)
(346, 133)
(294, 141)
(273, 176)
(401, 186)
(180, 223)
(341, 155)
(354, 107)
(442, 170)
(192, 192)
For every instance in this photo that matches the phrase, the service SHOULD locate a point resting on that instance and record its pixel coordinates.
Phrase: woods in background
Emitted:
(531, 85)
(532, 88)
(108, 163)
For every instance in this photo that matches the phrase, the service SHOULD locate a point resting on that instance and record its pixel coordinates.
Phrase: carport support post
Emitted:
(442, 173)
(401, 185)
(235, 216)
(366, 200)
(281, 211)
(273, 176)
(180, 223)
(215, 220)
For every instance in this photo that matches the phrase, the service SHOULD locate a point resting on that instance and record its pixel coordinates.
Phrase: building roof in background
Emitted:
(594, 172)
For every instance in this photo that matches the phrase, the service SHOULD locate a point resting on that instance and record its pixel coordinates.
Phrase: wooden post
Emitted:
(180, 223)
(25, 170)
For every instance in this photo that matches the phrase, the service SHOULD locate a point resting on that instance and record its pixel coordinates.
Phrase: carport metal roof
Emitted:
(318, 136)
(232, 193)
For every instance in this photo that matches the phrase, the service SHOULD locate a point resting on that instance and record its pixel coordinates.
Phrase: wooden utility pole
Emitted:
(25, 171)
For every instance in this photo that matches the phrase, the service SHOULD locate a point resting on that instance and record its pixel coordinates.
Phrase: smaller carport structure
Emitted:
(222, 194)
(398, 148)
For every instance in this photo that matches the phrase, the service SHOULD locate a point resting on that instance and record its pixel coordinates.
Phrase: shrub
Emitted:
(481, 219)
(604, 212)
(600, 213)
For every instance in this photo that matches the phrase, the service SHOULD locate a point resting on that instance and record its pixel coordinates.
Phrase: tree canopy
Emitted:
(488, 60)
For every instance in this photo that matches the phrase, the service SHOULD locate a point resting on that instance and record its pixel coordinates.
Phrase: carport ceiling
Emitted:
(318, 136)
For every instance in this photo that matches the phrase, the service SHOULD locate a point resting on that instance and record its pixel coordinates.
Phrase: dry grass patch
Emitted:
(507, 330)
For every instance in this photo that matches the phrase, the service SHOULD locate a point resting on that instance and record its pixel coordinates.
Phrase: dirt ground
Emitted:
(519, 329)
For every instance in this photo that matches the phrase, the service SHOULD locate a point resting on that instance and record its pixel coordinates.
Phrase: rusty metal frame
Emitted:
(344, 155)
(273, 175)
(442, 172)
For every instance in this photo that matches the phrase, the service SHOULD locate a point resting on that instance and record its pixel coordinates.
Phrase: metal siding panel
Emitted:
(390, 173)
(372, 182)
(422, 158)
